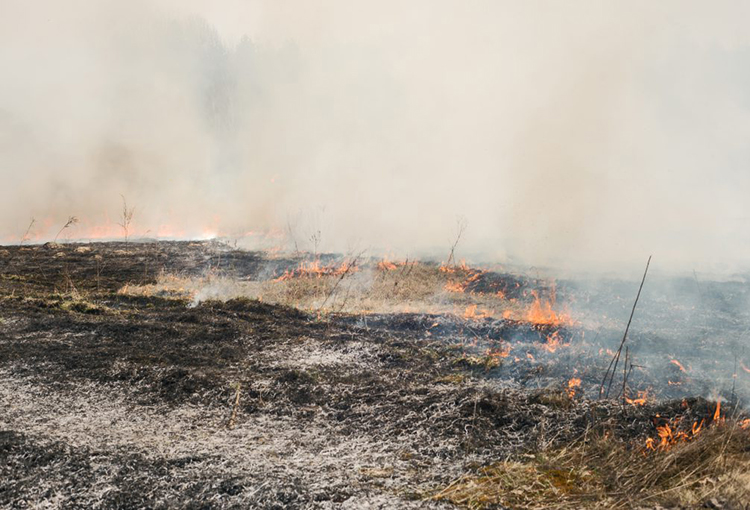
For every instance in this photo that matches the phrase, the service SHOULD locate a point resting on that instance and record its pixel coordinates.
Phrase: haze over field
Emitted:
(583, 134)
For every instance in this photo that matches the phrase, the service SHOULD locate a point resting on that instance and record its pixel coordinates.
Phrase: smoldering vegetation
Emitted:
(305, 385)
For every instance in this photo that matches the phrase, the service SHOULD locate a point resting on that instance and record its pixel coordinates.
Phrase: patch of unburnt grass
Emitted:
(605, 469)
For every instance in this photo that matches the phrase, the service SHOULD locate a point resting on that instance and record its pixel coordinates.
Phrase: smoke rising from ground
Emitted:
(583, 134)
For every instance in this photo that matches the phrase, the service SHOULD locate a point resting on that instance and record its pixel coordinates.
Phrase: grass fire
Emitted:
(341, 254)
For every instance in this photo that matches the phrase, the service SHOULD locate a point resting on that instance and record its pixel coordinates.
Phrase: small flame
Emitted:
(500, 353)
(471, 313)
(542, 311)
(678, 364)
(316, 270)
(553, 342)
(454, 287)
(669, 435)
(573, 383)
(461, 286)
(386, 265)
(640, 400)
(444, 268)
(697, 427)
(665, 435)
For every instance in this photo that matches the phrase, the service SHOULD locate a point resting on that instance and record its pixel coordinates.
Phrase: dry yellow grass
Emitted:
(606, 473)
(408, 287)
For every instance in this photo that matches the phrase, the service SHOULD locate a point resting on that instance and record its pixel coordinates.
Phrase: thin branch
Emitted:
(72, 220)
(233, 418)
(616, 358)
(625, 374)
(28, 231)
(461, 224)
(126, 218)
(341, 278)
(292, 236)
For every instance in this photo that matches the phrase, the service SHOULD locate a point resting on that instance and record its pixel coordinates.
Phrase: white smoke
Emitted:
(582, 134)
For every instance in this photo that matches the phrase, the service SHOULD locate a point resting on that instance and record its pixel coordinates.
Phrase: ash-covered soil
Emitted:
(115, 400)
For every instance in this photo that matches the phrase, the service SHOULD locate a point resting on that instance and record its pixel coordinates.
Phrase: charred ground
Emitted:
(116, 399)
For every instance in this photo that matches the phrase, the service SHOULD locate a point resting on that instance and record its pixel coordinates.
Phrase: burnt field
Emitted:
(196, 375)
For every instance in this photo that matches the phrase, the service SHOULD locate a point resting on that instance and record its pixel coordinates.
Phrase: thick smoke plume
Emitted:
(583, 134)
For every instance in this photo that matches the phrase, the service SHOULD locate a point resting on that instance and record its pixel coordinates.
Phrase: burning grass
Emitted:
(350, 286)
(603, 472)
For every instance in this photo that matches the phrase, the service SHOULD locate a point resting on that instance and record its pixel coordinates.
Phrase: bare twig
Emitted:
(461, 224)
(71, 286)
(72, 220)
(349, 266)
(98, 272)
(625, 374)
(616, 358)
(292, 236)
(233, 419)
(703, 305)
(126, 218)
(28, 231)
(734, 380)
(315, 238)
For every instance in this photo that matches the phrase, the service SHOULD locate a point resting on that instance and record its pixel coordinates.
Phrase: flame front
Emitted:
(542, 312)
(315, 270)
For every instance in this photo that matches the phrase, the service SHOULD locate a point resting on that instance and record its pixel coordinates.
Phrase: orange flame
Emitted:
(471, 313)
(386, 265)
(717, 412)
(665, 435)
(316, 270)
(678, 364)
(553, 342)
(452, 269)
(640, 400)
(542, 312)
(472, 276)
(454, 287)
(697, 427)
(502, 352)
(668, 436)
(573, 383)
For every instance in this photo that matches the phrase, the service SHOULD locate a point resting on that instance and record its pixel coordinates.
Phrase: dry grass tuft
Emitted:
(606, 473)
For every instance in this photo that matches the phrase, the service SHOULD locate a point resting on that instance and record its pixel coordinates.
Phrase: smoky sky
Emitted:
(583, 134)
